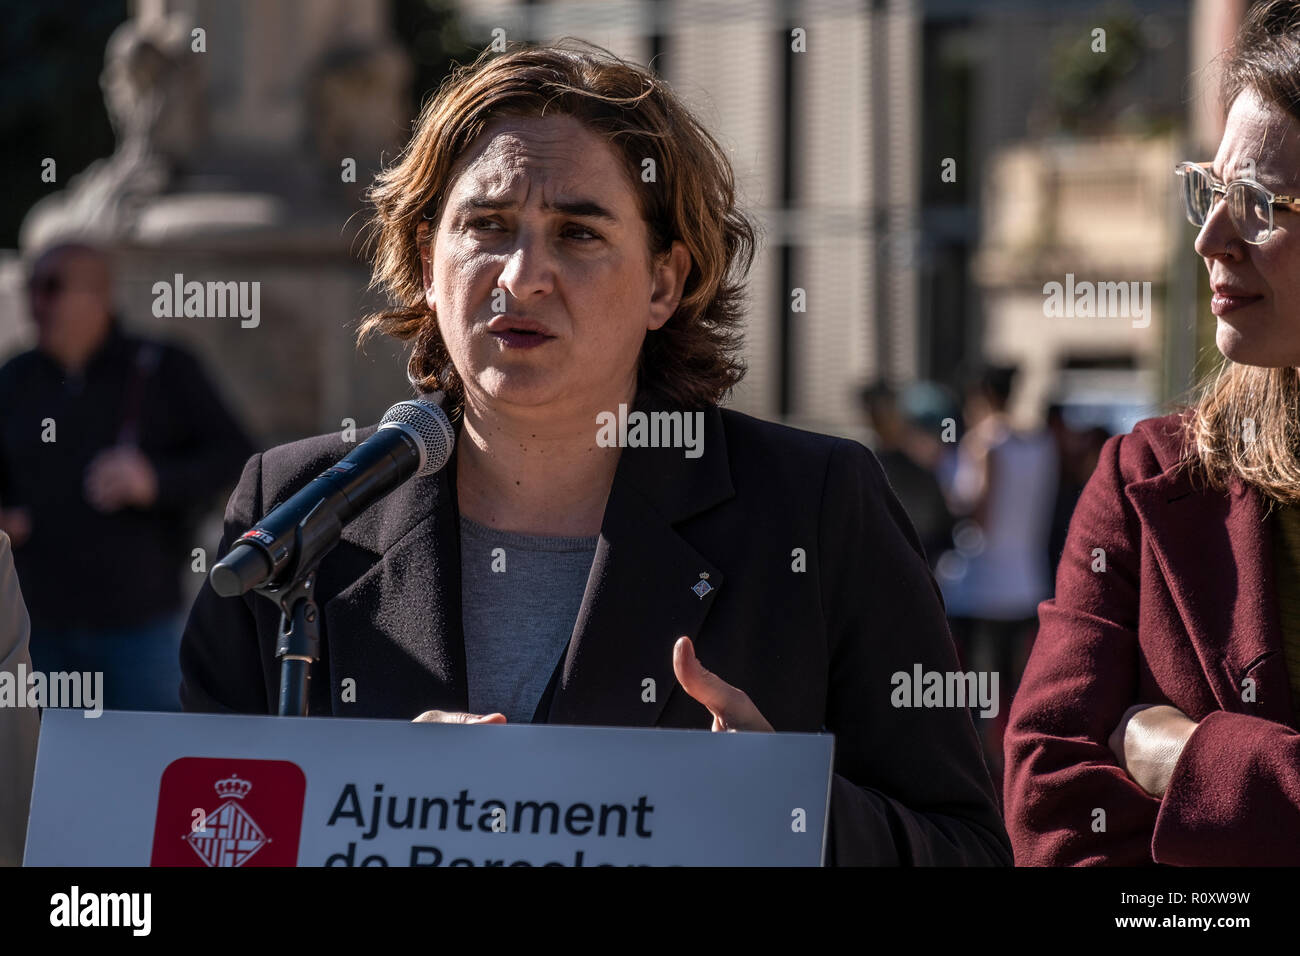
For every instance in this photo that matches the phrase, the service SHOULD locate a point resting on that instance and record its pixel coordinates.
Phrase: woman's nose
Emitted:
(529, 268)
(1218, 235)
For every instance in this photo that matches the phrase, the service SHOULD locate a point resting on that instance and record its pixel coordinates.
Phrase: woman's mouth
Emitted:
(521, 338)
(519, 331)
(1223, 303)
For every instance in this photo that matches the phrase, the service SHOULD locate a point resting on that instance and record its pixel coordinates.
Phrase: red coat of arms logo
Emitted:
(256, 820)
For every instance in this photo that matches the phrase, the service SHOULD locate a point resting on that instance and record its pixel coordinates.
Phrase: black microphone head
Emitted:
(242, 569)
(428, 426)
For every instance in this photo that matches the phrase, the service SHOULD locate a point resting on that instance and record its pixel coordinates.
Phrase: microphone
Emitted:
(414, 438)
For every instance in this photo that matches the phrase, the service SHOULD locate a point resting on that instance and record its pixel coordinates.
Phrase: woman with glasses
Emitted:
(1157, 718)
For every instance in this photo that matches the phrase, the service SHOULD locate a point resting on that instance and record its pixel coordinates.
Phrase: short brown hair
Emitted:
(693, 359)
(1246, 422)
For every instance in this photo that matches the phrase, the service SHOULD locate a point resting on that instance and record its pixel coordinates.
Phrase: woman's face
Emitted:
(1256, 288)
(541, 233)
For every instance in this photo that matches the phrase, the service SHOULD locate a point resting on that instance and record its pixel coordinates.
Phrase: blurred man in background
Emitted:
(899, 447)
(1077, 454)
(110, 446)
(1005, 489)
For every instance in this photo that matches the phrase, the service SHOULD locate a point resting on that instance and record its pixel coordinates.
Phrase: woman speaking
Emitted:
(562, 244)
(1157, 718)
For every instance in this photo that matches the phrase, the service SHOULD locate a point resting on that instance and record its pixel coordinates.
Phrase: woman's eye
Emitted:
(572, 231)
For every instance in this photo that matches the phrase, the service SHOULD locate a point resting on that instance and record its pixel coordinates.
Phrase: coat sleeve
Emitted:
(1237, 777)
(221, 666)
(1067, 800)
(910, 786)
(19, 726)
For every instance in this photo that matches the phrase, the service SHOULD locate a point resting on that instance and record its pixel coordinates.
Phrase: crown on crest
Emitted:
(232, 787)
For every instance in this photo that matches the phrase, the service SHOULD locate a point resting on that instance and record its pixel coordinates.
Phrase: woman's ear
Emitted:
(424, 243)
(669, 278)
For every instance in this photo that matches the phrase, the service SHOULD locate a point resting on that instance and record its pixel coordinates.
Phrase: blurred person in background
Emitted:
(110, 446)
(932, 414)
(1005, 490)
(1164, 687)
(896, 446)
(1077, 454)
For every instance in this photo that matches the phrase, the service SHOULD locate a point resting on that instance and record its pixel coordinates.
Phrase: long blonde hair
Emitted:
(1247, 424)
(1246, 421)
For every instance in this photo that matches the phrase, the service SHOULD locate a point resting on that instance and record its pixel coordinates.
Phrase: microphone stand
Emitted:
(298, 644)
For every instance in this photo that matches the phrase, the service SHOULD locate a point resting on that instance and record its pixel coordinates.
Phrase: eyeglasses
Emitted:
(1250, 205)
(54, 284)
(51, 285)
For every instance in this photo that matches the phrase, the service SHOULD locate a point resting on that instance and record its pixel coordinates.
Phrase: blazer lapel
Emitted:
(647, 585)
(396, 630)
(1216, 555)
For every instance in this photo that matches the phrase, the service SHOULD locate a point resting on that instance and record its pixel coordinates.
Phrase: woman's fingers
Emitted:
(457, 717)
(1148, 742)
(1118, 735)
(730, 706)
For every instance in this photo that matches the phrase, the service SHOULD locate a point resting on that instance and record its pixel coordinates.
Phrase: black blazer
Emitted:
(819, 593)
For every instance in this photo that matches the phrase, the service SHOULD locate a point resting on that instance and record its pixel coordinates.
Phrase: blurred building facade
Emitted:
(920, 170)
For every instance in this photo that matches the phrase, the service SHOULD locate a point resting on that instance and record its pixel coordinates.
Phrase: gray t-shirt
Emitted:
(519, 606)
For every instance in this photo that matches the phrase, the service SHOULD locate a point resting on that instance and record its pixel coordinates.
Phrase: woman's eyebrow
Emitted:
(586, 208)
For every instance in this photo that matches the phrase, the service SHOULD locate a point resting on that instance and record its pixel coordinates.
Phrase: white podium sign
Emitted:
(139, 789)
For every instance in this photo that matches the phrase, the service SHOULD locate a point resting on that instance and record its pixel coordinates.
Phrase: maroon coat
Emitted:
(1185, 613)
